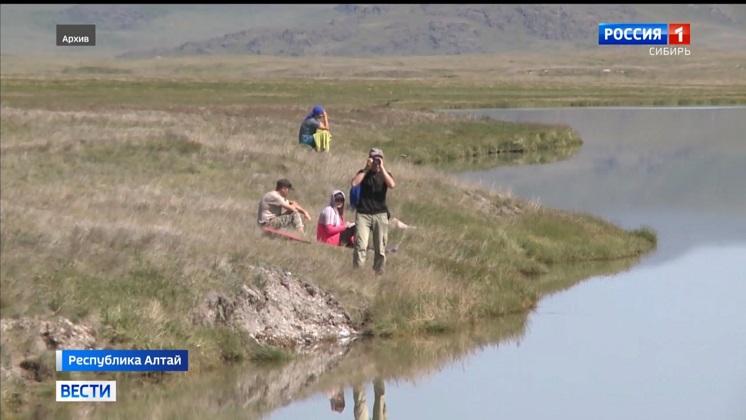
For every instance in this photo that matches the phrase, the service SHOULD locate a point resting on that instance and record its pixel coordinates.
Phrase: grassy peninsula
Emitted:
(129, 192)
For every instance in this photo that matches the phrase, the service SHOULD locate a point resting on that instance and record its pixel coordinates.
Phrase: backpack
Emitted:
(354, 196)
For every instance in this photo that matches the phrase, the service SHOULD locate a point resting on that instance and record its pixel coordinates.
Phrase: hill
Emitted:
(142, 31)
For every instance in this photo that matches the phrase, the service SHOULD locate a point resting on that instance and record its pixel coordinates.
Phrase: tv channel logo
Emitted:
(86, 391)
(644, 34)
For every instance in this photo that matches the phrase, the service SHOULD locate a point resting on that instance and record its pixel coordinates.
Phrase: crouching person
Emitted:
(277, 212)
(331, 228)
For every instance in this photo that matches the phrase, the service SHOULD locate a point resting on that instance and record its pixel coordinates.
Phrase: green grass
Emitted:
(361, 94)
(270, 354)
(421, 138)
(647, 233)
(125, 202)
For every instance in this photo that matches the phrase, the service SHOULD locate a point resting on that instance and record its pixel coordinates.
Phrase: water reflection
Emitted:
(640, 345)
(361, 403)
(337, 400)
(253, 392)
(680, 170)
(480, 163)
(641, 160)
(360, 399)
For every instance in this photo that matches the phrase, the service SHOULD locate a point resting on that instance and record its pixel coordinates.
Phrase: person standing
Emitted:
(371, 219)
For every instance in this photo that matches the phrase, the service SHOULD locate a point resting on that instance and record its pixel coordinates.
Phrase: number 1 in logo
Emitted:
(679, 34)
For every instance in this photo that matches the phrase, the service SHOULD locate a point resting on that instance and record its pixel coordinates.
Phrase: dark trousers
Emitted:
(347, 237)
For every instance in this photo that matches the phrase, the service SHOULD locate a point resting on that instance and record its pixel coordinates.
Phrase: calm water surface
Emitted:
(664, 340)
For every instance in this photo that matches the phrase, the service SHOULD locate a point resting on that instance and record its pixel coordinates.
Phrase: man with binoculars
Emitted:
(371, 220)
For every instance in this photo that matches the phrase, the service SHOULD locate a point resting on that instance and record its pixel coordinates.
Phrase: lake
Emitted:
(663, 340)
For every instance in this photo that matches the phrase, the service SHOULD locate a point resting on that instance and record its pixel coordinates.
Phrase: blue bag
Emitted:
(354, 196)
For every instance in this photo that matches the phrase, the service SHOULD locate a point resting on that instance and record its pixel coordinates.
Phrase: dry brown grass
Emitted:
(92, 187)
(124, 204)
(627, 65)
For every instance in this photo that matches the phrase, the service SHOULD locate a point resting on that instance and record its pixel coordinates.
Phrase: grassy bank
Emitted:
(417, 137)
(256, 389)
(125, 201)
(254, 392)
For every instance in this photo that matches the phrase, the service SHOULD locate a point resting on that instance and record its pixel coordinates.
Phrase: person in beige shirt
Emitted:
(277, 212)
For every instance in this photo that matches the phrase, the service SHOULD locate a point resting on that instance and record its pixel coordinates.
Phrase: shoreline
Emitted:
(139, 283)
(619, 107)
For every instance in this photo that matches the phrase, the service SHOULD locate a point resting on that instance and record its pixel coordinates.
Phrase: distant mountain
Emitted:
(360, 29)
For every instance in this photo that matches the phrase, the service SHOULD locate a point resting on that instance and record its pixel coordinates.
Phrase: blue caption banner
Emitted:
(632, 34)
(122, 360)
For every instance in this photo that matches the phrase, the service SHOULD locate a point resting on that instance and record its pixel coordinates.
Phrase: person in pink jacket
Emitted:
(332, 228)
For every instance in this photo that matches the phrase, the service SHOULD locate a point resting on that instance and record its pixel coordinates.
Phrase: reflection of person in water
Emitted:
(379, 402)
(337, 400)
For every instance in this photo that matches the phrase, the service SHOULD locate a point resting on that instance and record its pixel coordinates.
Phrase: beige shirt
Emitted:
(270, 206)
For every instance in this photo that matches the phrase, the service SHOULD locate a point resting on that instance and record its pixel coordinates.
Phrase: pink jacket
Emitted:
(331, 222)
